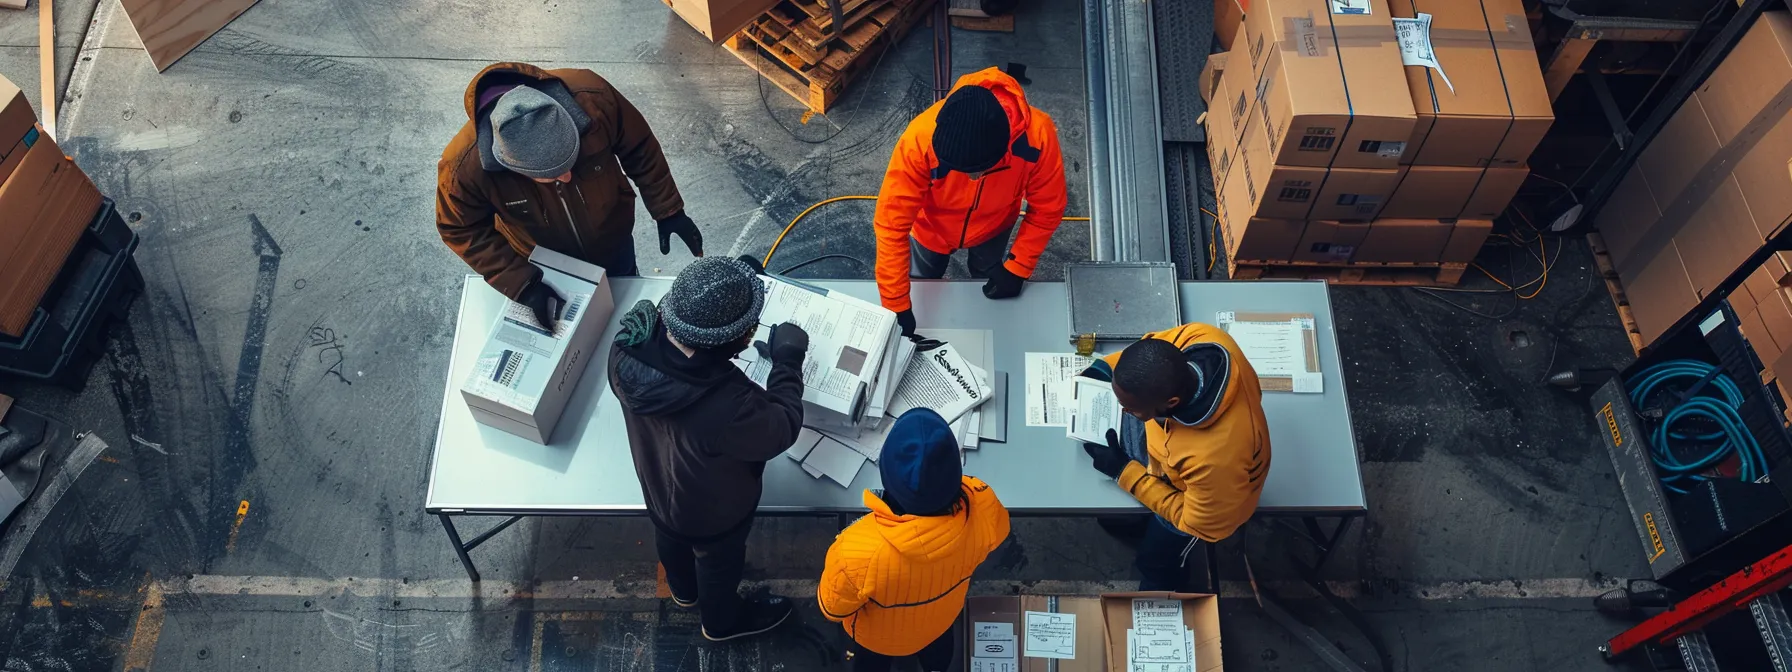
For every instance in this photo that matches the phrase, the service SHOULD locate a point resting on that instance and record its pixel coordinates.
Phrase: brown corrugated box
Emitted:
(1756, 332)
(1746, 82)
(1776, 316)
(719, 19)
(1432, 192)
(1253, 239)
(16, 117)
(1466, 240)
(1354, 193)
(48, 202)
(1210, 75)
(1660, 294)
(1405, 241)
(1717, 238)
(1626, 215)
(1499, 109)
(1228, 21)
(1497, 188)
(1330, 241)
(11, 157)
(1222, 141)
(1200, 613)
(1271, 191)
(1091, 638)
(1329, 86)
(1676, 155)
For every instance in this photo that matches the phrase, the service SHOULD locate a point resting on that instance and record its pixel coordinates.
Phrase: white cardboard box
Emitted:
(524, 375)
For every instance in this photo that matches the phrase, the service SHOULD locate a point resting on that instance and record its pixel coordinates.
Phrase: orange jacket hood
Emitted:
(1007, 92)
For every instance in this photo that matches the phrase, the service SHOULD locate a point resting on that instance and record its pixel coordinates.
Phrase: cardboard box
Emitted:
(719, 19)
(1763, 175)
(1432, 192)
(1466, 240)
(1755, 331)
(1330, 242)
(1498, 186)
(1328, 86)
(1686, 143)
(1499, 109)
(1270, 190)
(1750, 77)
(1660, 294)
(1354, 193)
(15, 155)
(47, 202)
(1717, 238)
(1776, 315)
(1222, 142)
(1200, 614)
(1210, 74)
(1228, 21)
(1091, 654)
(524, 375)
(16, 117)
(1419, 241)
(1630, 212)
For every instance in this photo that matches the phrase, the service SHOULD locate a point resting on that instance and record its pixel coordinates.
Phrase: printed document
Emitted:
(1049, 396)
(994, 648)
(942, 380)
(1097, 411)
(848, 339)
(1051, 635)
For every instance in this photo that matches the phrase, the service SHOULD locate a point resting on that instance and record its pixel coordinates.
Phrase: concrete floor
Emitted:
(288, 353)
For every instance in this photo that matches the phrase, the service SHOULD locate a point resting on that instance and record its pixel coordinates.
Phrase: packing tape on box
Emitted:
(1305, 37)
(1704, 183)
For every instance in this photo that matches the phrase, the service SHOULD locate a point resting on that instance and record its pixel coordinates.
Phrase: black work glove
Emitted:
(906, 320)
(544, 302)
(790, 344)
(686, 229)
(1110, 459)
(758, 268)
(1002, 284)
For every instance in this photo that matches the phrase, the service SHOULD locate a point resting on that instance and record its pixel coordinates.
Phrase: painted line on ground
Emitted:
(147, 632)
(12, 546)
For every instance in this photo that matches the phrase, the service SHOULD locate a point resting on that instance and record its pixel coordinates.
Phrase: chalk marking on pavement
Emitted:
(12, 546)
(148, 444)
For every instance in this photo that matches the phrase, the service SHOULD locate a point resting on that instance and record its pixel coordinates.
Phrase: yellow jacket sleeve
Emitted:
(839, 590)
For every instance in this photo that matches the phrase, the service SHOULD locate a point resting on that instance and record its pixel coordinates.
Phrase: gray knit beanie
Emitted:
(533, 135)
(713, 302)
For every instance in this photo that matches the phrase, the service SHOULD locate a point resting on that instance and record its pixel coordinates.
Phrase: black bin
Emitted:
(96, 285)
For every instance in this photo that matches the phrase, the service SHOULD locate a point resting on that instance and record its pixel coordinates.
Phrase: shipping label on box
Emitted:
(525, 374)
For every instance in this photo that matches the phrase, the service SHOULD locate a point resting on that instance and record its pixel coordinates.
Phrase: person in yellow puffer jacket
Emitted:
(1194, 447)
(896, 579)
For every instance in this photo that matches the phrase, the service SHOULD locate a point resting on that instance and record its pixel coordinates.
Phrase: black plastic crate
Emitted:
(96, 284)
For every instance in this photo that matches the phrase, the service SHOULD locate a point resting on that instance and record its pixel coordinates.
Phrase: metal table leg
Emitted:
(460, 549)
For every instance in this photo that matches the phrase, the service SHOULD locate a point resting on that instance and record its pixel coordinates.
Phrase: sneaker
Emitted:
(687, 604)
(757, 616)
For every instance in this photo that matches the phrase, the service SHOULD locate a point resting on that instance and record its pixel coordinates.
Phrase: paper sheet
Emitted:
(805, 442)
(1097, 411)
(993, 648)
(868, 441)
(942, 380)
(1051, 635)
(1160, 650)
(848, 338)
(836, 461)
(1048, 391)
(1273, 348)
(1414, 36)
(1156, 614)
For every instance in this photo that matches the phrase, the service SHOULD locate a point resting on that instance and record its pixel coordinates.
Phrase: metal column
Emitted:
(1119, 34)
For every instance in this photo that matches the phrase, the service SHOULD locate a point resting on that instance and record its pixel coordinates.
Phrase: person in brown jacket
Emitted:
(542, 161)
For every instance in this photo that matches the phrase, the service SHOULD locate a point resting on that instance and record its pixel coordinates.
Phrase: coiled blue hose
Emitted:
(1718, 403)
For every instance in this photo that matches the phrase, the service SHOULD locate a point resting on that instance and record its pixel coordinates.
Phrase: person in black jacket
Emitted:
(701, 432)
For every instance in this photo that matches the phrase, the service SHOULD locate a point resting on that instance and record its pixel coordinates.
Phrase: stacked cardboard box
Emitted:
(1708, 191)
(1325, 148)
(45, 204)
(1088, 633)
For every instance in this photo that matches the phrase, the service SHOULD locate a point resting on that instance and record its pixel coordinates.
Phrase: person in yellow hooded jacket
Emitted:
(1193, 447)
(896, 579)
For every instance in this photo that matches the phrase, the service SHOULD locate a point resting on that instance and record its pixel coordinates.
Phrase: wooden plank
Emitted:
(1602, 259)
(46, 63)
(172, 28)
(987, 24)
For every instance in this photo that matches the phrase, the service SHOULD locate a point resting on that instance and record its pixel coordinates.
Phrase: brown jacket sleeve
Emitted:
(468, 225)
(642, 160)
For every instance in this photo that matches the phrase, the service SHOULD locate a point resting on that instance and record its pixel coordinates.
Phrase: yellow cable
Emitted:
(1544, 257)
(1213, 248)
(767, 262)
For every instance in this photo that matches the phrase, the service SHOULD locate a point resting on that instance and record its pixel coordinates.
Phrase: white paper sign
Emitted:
(1051, 635)
(1049, 402)
(1415, 45)
(1350, 7)
(1309, 383)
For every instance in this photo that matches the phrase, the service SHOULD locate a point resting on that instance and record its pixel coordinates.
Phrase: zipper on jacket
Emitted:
(975, 199)
(571, 222)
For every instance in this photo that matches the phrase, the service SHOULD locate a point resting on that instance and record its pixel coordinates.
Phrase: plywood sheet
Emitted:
(171, 28)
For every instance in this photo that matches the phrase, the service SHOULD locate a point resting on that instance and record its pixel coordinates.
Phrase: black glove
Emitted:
(790, 344)
(758, 268)
(1109, 459)
(906, 320)
(1002, 284)
(686, 229)
(545, 303)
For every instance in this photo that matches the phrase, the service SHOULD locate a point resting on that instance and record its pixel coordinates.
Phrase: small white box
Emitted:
(524, 374)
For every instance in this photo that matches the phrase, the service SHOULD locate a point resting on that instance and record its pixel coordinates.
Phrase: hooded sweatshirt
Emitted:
(1210, 457)
(494, 218)
(897, 582)
(946, 210)
(700, 430)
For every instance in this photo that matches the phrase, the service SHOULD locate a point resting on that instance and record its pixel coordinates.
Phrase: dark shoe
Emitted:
(687, 604)
(757, 616)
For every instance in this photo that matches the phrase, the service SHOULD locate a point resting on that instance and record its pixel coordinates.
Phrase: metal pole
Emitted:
(1101, 203)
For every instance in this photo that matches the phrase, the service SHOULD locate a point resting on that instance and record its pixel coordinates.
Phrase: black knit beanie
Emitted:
(971, 133)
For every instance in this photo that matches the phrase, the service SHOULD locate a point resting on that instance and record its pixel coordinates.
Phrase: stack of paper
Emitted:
(1051, 396)
(1158, 640)
(1282, 348)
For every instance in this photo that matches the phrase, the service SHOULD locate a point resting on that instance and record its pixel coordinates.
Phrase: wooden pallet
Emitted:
(1602, 259)
(817, 76)
(1390, 274)
(987, 24)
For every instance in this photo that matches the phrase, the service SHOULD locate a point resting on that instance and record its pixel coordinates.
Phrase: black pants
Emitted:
(936, 657)
(930, 265)
(708, 572)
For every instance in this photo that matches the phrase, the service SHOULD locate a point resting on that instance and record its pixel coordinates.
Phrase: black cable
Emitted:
(824, 257)
(864, 90)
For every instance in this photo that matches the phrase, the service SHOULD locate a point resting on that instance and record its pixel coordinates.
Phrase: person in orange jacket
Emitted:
(1193, 447)
(896, 579)
(957, 179)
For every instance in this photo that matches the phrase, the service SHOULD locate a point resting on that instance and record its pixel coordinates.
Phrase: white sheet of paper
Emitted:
(1048, 391)
(1155, 650)
(1414, 36)
(1097, 411)
(811, 470)
(1273, 348)
(847, 341)
(942, 380)
(805, 442)
(1156, 614)
(1309, 383)
(1051, 635)
(836, 461)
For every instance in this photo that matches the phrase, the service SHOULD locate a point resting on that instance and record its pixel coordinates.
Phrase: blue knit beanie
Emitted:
(920, 462)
